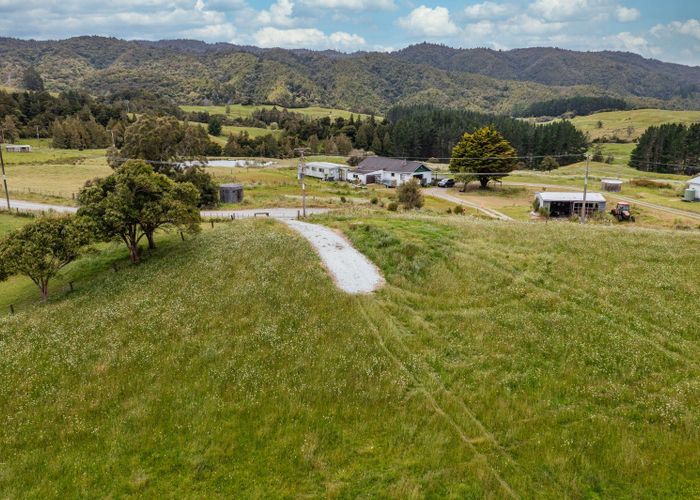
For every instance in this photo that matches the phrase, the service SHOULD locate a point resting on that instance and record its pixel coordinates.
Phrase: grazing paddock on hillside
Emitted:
(500, 359)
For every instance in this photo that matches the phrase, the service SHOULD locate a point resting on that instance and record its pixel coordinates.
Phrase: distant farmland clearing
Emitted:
(629, 125)
(244, 111)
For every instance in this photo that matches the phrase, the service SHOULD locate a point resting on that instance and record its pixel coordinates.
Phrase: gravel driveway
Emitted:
(351, 270)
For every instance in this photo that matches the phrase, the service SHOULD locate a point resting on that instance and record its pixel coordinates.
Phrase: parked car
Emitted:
(446, 183)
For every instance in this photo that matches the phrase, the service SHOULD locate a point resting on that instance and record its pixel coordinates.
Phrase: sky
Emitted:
(668, 30)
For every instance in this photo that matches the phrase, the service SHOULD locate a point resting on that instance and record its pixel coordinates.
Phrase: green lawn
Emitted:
(500, 359)
(243, 111)
(629, 125)
(42, 152)
(10, 222)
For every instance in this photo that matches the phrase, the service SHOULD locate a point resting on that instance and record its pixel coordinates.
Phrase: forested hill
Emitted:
(619, 72)
(193, 72)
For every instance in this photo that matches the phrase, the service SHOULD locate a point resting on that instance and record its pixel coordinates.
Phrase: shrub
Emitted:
(409, 195)
(459, 210)
(392, 206)
(343, 199)
(650, 184)
(374, 200)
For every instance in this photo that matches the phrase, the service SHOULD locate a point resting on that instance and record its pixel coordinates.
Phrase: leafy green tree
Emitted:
(9, 129)
(41, 249)
(313, 143)
(163, 139)
(598, 154)
(134, 202)
(31, 79)
(409, 194)
(548, 163)
(376, 143)
(214, 126)
(344, 144)
(486, 153)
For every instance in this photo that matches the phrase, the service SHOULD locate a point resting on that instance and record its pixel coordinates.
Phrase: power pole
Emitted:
(37, 131)
(4, 179)
(585, 191)
(302, 171)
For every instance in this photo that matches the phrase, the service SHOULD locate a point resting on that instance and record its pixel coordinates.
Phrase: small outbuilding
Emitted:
(562, 204)
(18, 148)
(611, 185)
(326, 170)
(694, 185)
(231, 193)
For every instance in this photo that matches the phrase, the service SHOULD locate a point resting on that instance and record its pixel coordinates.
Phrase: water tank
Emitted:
(689, 195)
(611, 185)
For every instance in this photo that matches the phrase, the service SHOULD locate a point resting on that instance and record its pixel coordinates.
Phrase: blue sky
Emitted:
(668, 30)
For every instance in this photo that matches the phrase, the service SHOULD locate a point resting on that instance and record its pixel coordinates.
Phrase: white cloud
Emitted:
(632, 43)
(486, 10)
(557, 10)
(691, 27)
(214, 32)
(279, 13)
(627, 14)
(351, 4)
(525, 24)
(479, 30)
(424, 21)
(307, 38)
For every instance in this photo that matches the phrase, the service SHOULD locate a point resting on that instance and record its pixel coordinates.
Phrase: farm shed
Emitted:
(565, 204)
(612, 185)
(391, 172)
(18, 148)
(327, 171)
(231, 193)
(694, 184)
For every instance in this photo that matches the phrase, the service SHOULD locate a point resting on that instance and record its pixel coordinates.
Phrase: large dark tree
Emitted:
(430, 132)
(31, 79)
(134, 202)
(668, 148)
(485, 154)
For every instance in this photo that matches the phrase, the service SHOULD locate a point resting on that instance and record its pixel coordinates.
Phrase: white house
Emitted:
(327, 171)
(18, 148)
(694, 184)
(561, 204)
(390, 172)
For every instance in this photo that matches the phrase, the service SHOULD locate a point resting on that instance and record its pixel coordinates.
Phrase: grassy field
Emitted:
(629, 125)
(243, 111)
(499, 360)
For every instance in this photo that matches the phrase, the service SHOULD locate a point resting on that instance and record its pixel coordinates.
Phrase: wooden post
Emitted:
(182, 235)
(70, 284)
(212, 223)
(12, 309)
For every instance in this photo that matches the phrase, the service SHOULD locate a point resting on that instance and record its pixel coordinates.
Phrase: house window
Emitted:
(392, 174)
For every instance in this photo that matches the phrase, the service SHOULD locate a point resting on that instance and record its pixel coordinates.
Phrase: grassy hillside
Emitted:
(494, 362)
(629, 125)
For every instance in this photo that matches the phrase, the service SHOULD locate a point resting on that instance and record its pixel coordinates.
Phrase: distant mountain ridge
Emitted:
(195, 72)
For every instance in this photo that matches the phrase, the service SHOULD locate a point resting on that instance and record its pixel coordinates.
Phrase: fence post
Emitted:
(70, 284)
(212, 223)
(12, 309)
(182, 235)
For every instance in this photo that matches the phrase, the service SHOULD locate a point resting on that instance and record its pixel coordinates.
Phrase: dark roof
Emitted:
(374, 163)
